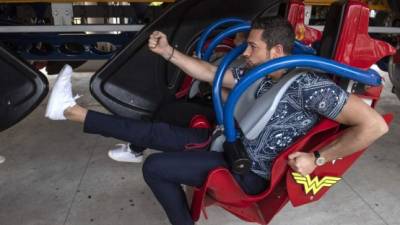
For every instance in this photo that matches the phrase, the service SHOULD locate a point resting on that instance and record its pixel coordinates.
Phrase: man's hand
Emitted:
(158, 43)
(302, 162)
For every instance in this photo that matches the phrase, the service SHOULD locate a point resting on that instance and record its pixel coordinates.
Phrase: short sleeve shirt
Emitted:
(308, 98)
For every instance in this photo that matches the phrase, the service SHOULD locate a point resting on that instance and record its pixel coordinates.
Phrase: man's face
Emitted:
(256, 52)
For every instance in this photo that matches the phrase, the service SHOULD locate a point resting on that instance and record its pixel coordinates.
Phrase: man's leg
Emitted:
(165, 172)
(160, 136)
(167, 113)
(186, 110)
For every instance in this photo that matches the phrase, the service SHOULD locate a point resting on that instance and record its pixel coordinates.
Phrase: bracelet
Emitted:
(172, 54)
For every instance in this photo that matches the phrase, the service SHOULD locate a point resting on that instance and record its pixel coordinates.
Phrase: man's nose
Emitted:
(246, 52)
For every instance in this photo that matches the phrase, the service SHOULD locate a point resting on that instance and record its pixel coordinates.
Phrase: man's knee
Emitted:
(150, 167)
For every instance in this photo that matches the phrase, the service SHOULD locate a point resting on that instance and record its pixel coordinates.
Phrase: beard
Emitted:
(251, 65)
(248, 65)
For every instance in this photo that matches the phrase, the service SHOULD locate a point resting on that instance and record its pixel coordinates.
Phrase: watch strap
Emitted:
(317, 154)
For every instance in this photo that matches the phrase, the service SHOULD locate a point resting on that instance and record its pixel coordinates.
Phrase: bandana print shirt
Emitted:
(310, 96)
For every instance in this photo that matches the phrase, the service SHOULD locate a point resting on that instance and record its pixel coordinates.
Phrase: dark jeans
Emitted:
(155, 135)
(165, 172)
(178, 113)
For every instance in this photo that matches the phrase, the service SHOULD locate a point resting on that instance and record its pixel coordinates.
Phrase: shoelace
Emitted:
(125, 148)
(77, 96)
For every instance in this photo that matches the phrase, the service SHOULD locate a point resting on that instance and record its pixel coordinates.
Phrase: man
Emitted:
(306, 99)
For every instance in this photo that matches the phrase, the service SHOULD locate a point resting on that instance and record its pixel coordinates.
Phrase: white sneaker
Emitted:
(123, 153)
(2, 159)
(61, 95)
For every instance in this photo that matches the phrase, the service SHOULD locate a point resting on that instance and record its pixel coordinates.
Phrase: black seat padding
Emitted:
(333, 25)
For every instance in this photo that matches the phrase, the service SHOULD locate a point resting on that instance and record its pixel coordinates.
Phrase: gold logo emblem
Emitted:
(314, 184)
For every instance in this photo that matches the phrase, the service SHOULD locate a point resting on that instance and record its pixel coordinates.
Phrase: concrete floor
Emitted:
(56, 175)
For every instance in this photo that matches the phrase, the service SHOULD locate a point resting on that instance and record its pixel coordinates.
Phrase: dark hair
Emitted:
(276, 31)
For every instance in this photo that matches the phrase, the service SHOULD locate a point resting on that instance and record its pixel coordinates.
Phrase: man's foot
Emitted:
(61, 95)
(2, 159)
(123, 153)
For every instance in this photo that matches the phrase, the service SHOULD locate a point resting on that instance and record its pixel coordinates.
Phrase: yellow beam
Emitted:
(69, 1)
(375, 5)
(318, 2)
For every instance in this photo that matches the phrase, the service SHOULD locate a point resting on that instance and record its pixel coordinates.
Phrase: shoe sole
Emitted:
(52, 99)
(138, 160)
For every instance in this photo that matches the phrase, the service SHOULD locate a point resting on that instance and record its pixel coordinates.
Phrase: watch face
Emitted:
(320, 161)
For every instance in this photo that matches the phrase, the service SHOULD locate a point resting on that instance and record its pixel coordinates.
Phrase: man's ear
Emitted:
(277, 51)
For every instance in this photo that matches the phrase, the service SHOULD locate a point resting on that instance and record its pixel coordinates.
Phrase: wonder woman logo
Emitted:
(314, 184)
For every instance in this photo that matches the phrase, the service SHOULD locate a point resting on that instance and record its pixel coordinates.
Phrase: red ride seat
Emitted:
(295, 15)
(349, 43)
(221, 189)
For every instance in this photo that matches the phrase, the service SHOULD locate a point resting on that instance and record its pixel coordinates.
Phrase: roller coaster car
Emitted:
(347, 25)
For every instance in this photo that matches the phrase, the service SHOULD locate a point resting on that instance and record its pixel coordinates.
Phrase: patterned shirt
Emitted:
(310, 96)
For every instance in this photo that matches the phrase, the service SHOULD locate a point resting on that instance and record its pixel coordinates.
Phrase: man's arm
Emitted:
(195, 68)
(366, 126)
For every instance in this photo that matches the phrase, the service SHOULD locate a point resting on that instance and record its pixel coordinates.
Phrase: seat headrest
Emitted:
(295, 16)
(331, 33)
(355, 46)
(345, 38)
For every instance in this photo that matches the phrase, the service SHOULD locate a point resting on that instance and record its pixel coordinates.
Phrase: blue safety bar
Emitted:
(243, 27)
(300, 48)
(369, 77)
(206, 33)
(227, 60)
(218, 80)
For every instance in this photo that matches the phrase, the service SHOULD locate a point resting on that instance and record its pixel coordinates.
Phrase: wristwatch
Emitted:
(319, 160)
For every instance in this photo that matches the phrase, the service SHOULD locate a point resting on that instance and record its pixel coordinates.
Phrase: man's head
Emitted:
(269, 38)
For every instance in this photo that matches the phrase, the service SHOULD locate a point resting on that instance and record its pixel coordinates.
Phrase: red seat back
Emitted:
(348, 42)
(355, 46)
(295, 16)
